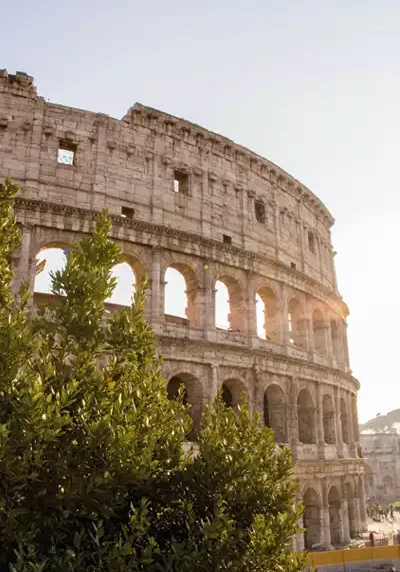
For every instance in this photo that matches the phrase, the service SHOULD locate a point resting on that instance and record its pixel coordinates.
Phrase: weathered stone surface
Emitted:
(382, 470)
(198, 202)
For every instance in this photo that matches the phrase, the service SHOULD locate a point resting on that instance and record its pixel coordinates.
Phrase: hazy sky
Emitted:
(313, 85)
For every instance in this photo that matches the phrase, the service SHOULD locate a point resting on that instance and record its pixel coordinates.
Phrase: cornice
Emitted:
(275, 356)
(135, 224)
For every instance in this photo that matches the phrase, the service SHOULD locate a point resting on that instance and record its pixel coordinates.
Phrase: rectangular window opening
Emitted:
(259, 209)
(181, 182)
(227, 239)
(127, 212)
(293, 265)
(66, 153)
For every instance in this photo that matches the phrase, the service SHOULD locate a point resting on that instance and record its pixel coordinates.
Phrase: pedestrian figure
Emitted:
(371, 538)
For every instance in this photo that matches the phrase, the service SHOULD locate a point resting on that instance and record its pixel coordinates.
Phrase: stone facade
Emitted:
(382, 470)
(183, 197)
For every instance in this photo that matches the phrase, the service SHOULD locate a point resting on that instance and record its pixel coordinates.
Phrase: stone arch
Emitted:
(232, 316)
(311, 519)
(51, 256)
(306, 417)
(192, 396)
(275, 412)
(329, 420)
(232, 392)
(267, 314)
(318, 325)
(334, 515)
(350, 496)
(387, 485)
(182, 302)
(296, 324)
(344, 420)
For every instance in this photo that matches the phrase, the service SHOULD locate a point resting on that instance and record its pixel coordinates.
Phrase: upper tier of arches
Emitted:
(237, 307)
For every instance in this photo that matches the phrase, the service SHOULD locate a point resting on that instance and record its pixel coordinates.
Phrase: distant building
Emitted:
(382, 470)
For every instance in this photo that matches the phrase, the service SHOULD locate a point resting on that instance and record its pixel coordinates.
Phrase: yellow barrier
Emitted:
(368, 554)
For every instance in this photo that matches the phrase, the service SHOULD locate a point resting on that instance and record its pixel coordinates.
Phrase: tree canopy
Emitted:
(93, 470)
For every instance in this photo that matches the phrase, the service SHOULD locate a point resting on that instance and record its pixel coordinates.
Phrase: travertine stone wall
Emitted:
(234, 217)
(382, 470)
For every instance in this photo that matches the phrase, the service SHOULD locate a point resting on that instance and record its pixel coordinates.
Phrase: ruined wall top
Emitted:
(233, 202)
(223, 146)
(20, 84)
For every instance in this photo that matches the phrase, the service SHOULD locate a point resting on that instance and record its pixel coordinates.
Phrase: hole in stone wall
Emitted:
(227, 239)
(181, 182)
(127, 212)
(66, 154)
(259, 209)
(293, 265)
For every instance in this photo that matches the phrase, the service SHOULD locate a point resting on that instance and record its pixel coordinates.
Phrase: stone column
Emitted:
(293, 423)
(346, 348)
(361, 498)
(325, 516)
(328, 343)
(209, 302)
(345, 522)
(299, 537)
(24, 266)
(157, 312)
(213, 383)
(283, 315)
(352, 439)
(345, 514)
(320, 423)
(338, 424)
(251, 312)
(309, 330)
(356, 505)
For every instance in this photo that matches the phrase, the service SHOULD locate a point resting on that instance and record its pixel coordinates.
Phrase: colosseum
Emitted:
(234, 227)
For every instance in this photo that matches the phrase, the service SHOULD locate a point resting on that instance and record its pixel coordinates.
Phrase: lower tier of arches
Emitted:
(315, 415)
(334, 505)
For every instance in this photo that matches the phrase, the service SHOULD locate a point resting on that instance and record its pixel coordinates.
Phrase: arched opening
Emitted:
(311, 519)
(192, 396)
(335, 339)
(182, 301)
(388, 485)
(229, 311)
(296, 324)
(175, 297)
(334, 515)
(306, 417)
(351, 510)
(124, 290)
(319, 332)
(275, 415)
(48, 261)
(329, 420)
(344, 420)
(232, 392)
(267, 314)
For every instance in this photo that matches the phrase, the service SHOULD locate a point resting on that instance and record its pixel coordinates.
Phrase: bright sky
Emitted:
(312, 85)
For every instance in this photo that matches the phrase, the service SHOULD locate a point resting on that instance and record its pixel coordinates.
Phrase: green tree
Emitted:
(93, 474)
